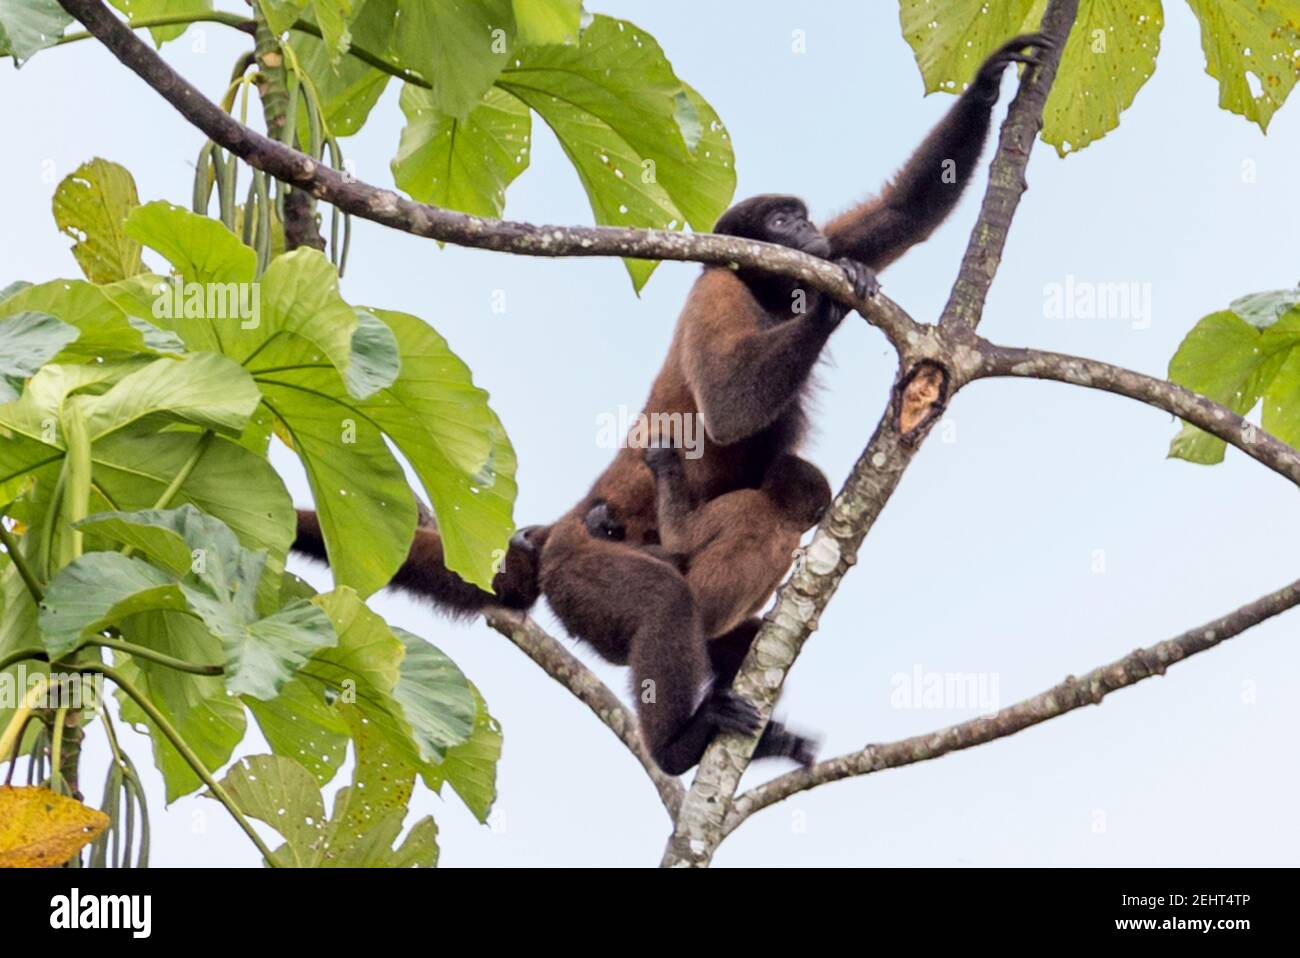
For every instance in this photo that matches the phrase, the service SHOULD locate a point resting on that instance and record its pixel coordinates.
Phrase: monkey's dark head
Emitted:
(774, 218)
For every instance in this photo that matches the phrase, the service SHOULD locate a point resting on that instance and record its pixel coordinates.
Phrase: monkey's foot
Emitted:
(732, 713)
(779, 742)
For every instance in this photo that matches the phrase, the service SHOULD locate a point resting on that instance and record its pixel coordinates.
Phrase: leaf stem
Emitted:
(9, 738)
(20, 563)
(187, 753)
(161, 658)
(172, 20)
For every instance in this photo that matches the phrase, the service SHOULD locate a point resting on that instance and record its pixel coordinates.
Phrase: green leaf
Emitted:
(154, 532)
(301, 723)
(434, 694)
(459, 46)
(361, 493)
(1262, 310)
(148, 9)
(1252, 47)
(203, 388)
(470, 768)
(618, 110)
(90, 205)
(18, 631)
(200, 249)
(27, 26)
(368, 815)
(27, 342)
(98, 590)
(375, 360)
(280, 14)
(1110, 55)
(1226, 359)
(443, 425)
(263, 655)
(279, 792)
(548, 21)
(462, 164)
(14, 287)
(951, 38)
(106, 331)
(366, 669)
(208, 718)
(230, 483)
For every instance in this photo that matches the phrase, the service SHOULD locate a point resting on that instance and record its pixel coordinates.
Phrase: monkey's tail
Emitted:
(424, 573)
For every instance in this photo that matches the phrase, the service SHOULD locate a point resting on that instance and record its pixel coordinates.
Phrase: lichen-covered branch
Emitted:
(830, 555)
(563, 666)
(1209, 415)
(1069, 695)
(1007, 175)
(387, 208)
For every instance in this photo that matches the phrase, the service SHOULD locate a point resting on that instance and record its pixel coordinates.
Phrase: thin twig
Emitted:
(563, 666)
(1071, 694)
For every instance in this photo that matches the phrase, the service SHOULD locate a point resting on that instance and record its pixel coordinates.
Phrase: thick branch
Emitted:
(1215, 419)
(387, 208)
(828, 557)
(560, 664)
(1069, 695)
(1007, 175)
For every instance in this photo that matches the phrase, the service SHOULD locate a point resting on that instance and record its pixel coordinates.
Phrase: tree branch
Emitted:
(388, 209)
(1069, 695)
(799, 602)
(561, 664)
(1205, 413)
(1007, 183)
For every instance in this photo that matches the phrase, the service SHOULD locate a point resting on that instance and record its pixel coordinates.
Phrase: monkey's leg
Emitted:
(425, 574)
(746, 549)
(726, 653)
(636, 609)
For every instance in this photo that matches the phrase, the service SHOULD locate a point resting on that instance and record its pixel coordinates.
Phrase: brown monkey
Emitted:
(744, 348)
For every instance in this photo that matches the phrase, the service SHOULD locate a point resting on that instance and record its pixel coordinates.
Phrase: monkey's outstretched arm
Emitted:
(925, 191)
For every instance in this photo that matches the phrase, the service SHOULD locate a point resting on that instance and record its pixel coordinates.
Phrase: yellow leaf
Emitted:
(41, 829)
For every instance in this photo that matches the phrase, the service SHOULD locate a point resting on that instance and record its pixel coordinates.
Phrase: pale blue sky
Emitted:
(984, 560)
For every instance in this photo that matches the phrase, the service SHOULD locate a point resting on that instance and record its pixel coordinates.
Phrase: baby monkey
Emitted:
(792, 499)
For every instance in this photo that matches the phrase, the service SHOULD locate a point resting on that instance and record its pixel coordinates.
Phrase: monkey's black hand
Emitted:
(1028, 48)
(660, 459)
(862, 276)
(524, 539)
(603, 524)
(864, 281)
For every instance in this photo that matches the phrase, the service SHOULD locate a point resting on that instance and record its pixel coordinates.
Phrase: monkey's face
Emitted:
(789, 225)
(774, 218)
